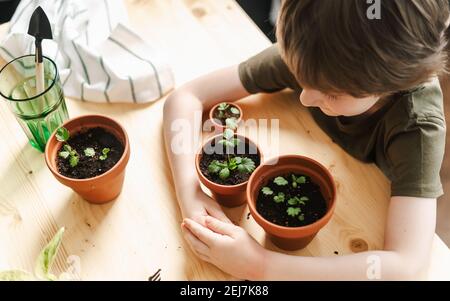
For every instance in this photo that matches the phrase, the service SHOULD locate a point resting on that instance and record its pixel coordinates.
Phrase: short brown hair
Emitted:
(332, 45)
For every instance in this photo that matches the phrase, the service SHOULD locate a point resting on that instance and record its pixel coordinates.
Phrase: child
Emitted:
(371, 85)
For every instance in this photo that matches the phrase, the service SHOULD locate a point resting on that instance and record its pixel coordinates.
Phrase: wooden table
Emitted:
(139, 233)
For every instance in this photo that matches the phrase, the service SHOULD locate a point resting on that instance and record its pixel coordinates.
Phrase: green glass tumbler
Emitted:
(38, 114)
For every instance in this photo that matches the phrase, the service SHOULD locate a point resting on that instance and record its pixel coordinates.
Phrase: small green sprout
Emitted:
(228, 139)
(293, 201)
(280, 181)
(267, 191)
(291, 211)
(298, 180)
(89, 152)
(63, 135)
(243, 165)
(231, 123)
(279, 198)
(301, 217)
(224, 168)
(105, 152)
(298, 201)
(224, 107)
(234, 110)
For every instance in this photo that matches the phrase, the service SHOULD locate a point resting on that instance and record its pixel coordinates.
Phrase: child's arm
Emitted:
(408, 239)
(188, 103)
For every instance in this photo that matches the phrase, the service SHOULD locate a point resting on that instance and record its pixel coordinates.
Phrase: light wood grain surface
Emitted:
(139, 233)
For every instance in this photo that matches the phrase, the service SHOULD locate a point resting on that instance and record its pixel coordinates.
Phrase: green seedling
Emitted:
(231, 164)
(63, 135)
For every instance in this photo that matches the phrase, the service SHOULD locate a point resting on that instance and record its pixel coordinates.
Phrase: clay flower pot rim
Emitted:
(122, 158)
(213, 120)
(323, 219)
(198, 155)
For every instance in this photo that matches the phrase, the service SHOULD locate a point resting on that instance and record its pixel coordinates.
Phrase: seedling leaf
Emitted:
(62, 134)
(280, 181)
(267, 191)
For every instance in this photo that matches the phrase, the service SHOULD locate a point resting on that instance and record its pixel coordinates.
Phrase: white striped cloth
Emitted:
(98, 57)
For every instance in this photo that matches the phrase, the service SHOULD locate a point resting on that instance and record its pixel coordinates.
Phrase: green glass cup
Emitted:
(38, 114)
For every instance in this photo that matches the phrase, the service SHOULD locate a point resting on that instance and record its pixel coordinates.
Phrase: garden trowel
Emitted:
(40, 29)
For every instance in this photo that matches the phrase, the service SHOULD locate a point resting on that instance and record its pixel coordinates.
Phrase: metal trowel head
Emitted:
(40, 29)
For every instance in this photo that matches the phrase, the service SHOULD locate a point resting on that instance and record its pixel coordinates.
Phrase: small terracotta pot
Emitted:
(291, 238)
(218, 127)
(105, 187)
(226, 195)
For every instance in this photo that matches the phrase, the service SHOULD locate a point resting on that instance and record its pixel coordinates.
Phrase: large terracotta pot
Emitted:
(218, 127)
(291, 238)
(226, 195)
(105, 187)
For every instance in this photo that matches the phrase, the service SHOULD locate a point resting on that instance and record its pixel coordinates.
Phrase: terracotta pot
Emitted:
(291, 238)
(226, 195)
(105, 187)
(218, 127)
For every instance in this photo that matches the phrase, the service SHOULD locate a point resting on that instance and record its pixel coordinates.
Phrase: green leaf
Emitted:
(236, 141)
(16, 275)
(90, 152)
(232, 165)
(214, 167)
(223, 106)
(231, 123)
(298, 180)
(224, 173)
(247, 165)
(280, 181)
(291, 211)
(301, 217)
(67, 148)
(279, 198)
(267, 191)
(235, 111)
(301, 180)
(62, 134)
(64, 154)
(105, 152)
(47, 256)
(304, 199)
(73, 161)
(228, 144)
(293, 201)
(228, 134)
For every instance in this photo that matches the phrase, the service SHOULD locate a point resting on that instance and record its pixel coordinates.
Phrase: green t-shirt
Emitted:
(405, 138)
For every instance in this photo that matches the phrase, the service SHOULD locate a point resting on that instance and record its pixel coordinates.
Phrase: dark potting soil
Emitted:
(88, 167)
(226, 114)
(314, 209)
(211, 153)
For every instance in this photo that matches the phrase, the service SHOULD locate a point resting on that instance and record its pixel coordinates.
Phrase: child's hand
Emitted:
(227, 246)
(199, 206)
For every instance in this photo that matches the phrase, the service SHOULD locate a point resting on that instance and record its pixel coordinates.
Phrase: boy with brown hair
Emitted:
(371, 85)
